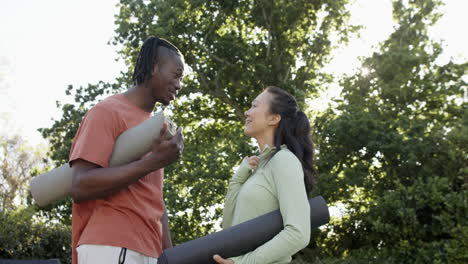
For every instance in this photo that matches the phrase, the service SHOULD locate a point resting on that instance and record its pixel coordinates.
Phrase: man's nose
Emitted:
(178, 84)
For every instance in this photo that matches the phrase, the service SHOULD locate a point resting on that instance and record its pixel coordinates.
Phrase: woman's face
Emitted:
(258, 118)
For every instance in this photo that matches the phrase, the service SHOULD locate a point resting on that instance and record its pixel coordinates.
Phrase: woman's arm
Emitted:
(239, 178)
(288, 179)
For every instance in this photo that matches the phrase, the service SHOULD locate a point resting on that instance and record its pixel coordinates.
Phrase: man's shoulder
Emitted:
(110, 102)
(109, 105)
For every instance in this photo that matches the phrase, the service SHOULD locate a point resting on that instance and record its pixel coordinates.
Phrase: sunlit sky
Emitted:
(47, 45)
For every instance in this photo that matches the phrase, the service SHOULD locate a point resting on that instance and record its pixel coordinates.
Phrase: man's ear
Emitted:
(274, 120)
(155, 69)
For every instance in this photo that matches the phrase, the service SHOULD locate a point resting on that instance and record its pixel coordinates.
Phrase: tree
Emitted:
(18, 161)
(234, 50)
(25, 236)
(394, 151)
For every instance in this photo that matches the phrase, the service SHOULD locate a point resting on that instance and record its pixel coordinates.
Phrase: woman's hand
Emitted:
(220, 260)
(254, 161)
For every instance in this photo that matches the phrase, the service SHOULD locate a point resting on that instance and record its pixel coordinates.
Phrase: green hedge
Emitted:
(425, 222)
(23, 236)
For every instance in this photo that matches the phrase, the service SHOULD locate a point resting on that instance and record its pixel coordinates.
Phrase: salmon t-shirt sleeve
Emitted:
(95, 138)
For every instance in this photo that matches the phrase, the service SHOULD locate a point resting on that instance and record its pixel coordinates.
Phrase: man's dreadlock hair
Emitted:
(148, 57)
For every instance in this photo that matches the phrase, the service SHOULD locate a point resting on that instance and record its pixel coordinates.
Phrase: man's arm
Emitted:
(91, 181)
(166, 239)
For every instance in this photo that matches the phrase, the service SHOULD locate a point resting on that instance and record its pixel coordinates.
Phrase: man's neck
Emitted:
(139, 97)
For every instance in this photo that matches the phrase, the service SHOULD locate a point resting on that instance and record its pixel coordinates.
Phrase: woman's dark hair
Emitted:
(293, 131)
(148, 57)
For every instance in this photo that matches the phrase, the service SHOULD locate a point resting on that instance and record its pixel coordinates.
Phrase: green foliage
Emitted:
(24, 237)
(17, 161)
(421, 223)
(394, 151)
(234, 49)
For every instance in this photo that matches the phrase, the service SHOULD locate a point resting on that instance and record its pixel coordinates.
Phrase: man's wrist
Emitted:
(152, 162)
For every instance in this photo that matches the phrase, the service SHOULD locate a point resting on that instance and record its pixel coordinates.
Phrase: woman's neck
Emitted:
(265, 139)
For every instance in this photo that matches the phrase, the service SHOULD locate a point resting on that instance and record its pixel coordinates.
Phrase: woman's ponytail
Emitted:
(293, 131)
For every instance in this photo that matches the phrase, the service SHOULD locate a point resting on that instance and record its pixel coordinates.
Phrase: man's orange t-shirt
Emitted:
(131, 217)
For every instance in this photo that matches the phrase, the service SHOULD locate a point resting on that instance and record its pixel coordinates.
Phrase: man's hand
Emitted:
(220, 260)
(90, 181)
(168, 150)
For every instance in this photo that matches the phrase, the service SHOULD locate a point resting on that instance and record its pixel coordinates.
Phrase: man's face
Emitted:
(167, 79)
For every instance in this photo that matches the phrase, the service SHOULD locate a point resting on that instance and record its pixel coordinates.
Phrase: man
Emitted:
(118, 212)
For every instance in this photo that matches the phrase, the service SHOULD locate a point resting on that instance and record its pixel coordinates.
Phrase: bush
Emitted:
(421, 223)
(23, 236)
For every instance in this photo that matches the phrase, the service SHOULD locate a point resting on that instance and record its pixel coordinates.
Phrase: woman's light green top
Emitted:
(277, 183)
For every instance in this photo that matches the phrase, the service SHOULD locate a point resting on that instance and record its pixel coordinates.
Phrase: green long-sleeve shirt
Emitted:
(277, 183)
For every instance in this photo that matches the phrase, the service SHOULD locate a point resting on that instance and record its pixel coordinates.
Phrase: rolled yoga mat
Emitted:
(239, 239)
(129, 146)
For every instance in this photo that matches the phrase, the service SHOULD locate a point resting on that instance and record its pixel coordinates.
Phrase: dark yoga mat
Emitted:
(239, 239)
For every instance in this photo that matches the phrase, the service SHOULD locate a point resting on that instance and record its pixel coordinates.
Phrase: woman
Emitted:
(279, 178)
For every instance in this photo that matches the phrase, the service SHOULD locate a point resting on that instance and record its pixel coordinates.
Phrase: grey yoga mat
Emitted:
(239, 239)
(129, 146)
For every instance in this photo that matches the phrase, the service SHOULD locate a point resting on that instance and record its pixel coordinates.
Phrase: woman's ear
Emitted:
(274, 120)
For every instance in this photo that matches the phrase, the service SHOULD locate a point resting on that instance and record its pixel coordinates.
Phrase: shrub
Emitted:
(24, 236)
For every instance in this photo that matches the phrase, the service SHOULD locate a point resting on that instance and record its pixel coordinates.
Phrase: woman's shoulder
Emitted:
(284, 165)
(284, 156)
